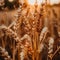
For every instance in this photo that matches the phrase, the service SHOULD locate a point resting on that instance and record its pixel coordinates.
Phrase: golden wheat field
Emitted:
(29, 31)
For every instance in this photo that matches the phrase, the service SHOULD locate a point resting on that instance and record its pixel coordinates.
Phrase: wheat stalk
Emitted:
(12, 34)
(4, 54)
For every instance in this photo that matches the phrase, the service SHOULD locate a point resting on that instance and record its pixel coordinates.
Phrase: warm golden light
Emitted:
(54, 1)
(10, 0)
(32, 2)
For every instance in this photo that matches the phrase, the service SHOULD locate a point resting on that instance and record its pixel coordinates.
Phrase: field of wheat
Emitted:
(29, 32)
